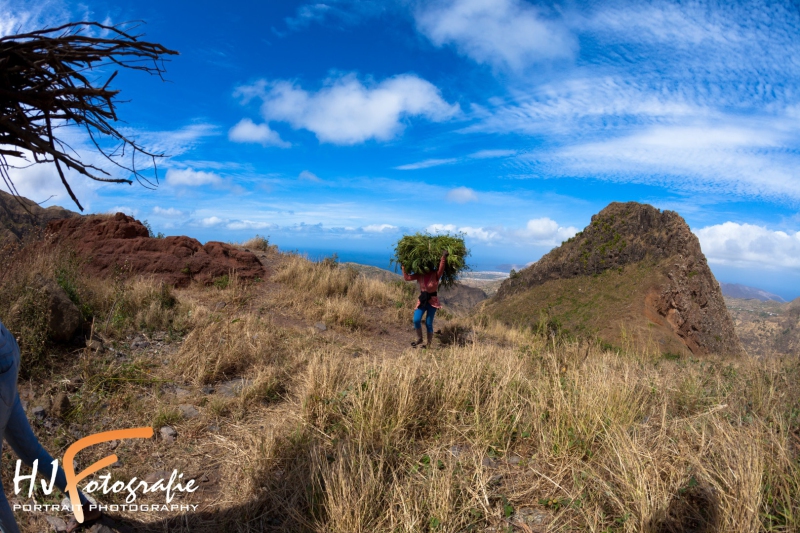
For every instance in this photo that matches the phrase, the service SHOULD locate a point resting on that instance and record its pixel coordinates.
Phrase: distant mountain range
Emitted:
(735, 290)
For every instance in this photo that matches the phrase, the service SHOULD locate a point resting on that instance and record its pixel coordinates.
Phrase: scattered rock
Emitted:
(66, 504)
(113, 444)
(213, 428)
(188, 411)
(182, 393)
(320, 326)
(38, 412)
(513, 459)
(58, 524)
(100, 528)
(168, 434)
(207, 389)
(61, 405)
(220, 306)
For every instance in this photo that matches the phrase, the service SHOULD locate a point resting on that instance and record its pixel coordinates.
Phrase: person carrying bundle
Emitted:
(428, 301)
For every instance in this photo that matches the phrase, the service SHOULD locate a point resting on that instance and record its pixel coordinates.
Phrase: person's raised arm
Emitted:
(408, 277)
(442, 264)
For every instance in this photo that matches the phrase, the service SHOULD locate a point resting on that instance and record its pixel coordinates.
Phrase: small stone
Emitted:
(495, 480)
(168, 434)
(213, 428)
(116, 464)
(232, 388)
(113, 444)
(530, 517)
(61, 405)
(95, 345)
(220, 306)
(100, 528)
(182, 393)
(38, 412)
(152, 477)
(140, 345)
(58, 524)
(188, 411)
(66, 504)
(513, 459)
(489, 462)
(321, 326)
(208, 389)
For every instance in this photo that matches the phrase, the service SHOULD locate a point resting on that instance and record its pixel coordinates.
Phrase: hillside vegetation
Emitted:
(310, 413)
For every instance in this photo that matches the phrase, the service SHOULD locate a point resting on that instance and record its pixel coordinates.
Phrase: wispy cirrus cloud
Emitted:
(461, 195)
(347, 111)
(427, 163)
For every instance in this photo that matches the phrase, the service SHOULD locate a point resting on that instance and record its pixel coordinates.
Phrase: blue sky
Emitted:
(339, 126)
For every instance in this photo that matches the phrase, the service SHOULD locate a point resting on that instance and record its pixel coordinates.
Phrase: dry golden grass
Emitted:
(472, 437)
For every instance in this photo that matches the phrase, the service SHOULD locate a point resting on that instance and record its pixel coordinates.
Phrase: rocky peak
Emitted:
(681, 295)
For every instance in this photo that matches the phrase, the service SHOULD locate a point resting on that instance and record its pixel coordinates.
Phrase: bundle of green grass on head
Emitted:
(420, 253)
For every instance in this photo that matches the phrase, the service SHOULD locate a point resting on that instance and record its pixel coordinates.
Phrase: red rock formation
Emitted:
(119, 242)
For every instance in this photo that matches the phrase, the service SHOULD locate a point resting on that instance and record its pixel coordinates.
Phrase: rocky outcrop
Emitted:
(461, 298)
(20, 217)
(121, 244)
(62, 317)
(634, 271)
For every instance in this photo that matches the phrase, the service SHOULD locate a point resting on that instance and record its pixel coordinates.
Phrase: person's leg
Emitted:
(418, 326)
(8, 524)
(429, 324)
(20, 437)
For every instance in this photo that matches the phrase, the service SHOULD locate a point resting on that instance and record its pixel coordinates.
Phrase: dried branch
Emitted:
(44, 85)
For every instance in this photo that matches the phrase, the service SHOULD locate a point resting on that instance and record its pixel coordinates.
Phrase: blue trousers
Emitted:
(17, 431)
(431, 311)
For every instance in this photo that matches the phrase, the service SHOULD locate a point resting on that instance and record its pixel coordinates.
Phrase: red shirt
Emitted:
(428, 283)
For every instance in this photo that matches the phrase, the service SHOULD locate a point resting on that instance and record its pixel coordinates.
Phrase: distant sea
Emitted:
(381, 259)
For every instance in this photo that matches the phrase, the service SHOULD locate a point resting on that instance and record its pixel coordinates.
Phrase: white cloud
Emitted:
(130, 211)
(428, 163)
(169, 212)
(545, 231)
(307, 175)
(246, 131)
(379, 228)
(346, 111)
(728, 158)
(192, 178)
(475, 233)
(503, 33)
(461, 195)
(247, 224)
(748, 245)
(211, 221)
(490, 154)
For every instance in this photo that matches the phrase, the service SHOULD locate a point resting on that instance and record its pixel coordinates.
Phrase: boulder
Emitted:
(63, 317)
